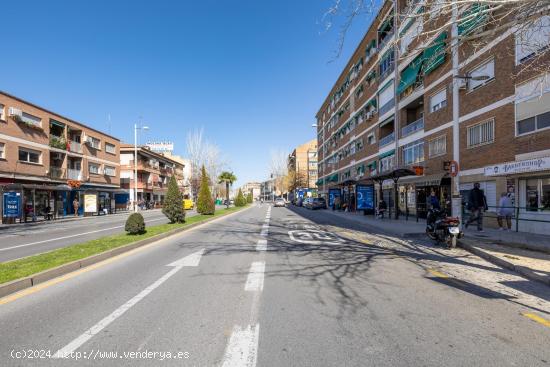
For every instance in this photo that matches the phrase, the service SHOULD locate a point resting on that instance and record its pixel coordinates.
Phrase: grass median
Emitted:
(24, 267)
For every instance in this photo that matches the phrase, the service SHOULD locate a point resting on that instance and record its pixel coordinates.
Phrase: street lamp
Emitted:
(136, 128)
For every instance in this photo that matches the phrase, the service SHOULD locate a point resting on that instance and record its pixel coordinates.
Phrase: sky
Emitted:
(252, 74)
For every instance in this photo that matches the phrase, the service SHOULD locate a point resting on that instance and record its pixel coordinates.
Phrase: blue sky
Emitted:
(251, 73)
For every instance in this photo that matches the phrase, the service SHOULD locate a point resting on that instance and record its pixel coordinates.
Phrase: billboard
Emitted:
(161, 146)
(90, 203)
(333, 194)
(365, 197)
(12, 204)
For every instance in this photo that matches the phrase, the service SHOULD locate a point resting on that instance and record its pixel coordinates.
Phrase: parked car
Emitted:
(280, 202)
(308, 203)
(318, 203)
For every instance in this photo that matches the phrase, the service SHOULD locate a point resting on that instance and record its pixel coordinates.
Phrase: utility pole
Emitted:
(455, 189)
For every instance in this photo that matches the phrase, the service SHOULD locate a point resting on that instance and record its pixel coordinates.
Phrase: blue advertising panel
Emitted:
(12, 204)
(301, 193)
(365, 197)
(333, 194)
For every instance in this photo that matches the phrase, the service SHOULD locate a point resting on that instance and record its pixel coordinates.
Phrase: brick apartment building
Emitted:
(302, 164)
(153, 174)
(390, 113)
(48, 160)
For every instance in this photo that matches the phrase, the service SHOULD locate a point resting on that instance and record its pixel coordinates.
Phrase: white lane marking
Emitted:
(71, 236)
(255, 280)
(88, 334)
(242, 349)
(264, 233)
(261, 245)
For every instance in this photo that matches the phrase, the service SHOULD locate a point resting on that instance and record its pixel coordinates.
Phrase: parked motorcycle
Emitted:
(441, 228)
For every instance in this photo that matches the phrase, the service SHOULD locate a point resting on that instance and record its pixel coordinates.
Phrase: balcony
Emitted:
(57, 172)
(387, 140)
(75, 147)
(58, 142)
(388, 106)
(384, 41)
(74, 174)
(412, 127)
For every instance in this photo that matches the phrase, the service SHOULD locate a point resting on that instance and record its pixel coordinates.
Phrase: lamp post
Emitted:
(136, 128)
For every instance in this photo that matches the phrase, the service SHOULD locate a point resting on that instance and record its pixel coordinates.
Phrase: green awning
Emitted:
(472, 18)
(372, 165)
(387, 154)
(332, 178)
(319, 182)
(435, 54)
(372, 102)
(370, 46)
(409, 74)
(57, 123)
(387, 25)
(371, 75)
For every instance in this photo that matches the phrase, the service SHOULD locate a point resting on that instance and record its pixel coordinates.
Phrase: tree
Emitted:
(228, 178)
(296, 180)
(240, 200)
(479, 22)
(249, 198)
(205, 204)
(173, 203)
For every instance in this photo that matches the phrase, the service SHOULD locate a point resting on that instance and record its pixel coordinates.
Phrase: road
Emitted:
(282, 287)
(26, 240)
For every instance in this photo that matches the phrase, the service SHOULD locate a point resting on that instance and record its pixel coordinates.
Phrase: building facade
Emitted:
(252, 187)
(50, 161)
(302, 165)
(154, 171)
(390, 114)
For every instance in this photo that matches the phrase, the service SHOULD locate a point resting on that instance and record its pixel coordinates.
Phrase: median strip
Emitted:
(24, 273)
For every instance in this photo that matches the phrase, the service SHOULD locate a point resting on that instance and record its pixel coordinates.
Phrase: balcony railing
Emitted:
(385, 40)
(388, 71)
(388, 106)
(387, 140)
(412, 127)
(74, 174)
(75, 146)
(57, 172)
(58, 142)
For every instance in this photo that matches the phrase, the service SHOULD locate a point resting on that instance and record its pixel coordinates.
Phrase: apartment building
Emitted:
(386, 127)
(252, 187)
(154, 171)
(302, 165)
(49, 161)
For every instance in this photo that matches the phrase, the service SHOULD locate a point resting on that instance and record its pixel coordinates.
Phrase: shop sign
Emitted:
(510, 168)
(90, 203)
(12, 204)
(365, 197)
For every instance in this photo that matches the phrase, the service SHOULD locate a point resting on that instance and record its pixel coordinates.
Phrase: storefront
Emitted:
(414, 192)
(528, 183)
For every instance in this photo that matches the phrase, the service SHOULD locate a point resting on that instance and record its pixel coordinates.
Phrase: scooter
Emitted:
(441, 228)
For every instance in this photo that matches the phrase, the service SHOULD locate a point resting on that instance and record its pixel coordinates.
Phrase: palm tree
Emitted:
(229, 178)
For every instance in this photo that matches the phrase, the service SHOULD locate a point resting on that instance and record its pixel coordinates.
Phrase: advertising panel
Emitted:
(12, 204)
(365, 197)
(90, 203)
(333, 194)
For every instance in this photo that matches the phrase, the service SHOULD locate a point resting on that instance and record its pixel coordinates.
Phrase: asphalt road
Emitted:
(31, 239)
(281, 287)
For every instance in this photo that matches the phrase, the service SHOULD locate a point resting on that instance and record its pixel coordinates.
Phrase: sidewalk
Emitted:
(526, 253)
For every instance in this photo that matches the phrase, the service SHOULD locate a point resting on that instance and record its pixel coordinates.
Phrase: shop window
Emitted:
(29, 156)
(2, 151)
(480, 134)
(437, 146)
(537, 194)
(485, 70)
(532, 192)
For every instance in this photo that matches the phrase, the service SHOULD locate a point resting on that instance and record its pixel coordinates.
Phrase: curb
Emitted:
(32, 280)
(521, 270)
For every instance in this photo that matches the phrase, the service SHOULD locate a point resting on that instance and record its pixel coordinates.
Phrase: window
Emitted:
(110, 171)
(413, 153)
(371, 139)
(387, 64)
(437, 146)
(93, 168)
(438, 100)
(31, 120)
(387, 163)
(533, 106)
(110, 148)
(93, 142)
(485, 70)
(2, 151)
(411, 34)
(532, 38)
(480, 134)
(386, 98)
(29, 156)
(2, 112)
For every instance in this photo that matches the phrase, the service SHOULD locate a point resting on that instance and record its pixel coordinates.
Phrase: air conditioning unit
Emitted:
(58, 157)
(89, 140)
(15, 112)
(369, 115)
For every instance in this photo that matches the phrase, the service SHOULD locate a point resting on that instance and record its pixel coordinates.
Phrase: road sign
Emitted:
(12, 204)
(454, 168)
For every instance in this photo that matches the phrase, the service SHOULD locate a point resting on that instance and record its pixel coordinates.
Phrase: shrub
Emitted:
(240, 200)
(249, 198)
(205, 203)
(173, 203)
(135, 224)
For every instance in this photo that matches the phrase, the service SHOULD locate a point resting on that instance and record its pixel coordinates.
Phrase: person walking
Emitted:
(382, 206)
(76, 206)
(505, 211)
(477, 203)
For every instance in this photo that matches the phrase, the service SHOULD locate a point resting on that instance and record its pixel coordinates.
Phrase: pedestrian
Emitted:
(433, 201)
(505, 211)
(76, 206)
(382, 206)
(477, 203)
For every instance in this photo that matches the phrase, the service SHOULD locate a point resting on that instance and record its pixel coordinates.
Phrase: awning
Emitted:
(332, 178)
(370, 45)
(57, 123)
(17, 186)
(387, 121)
(409, 75)
(386, 26)
(371, 75)
(420, 181)
(435, 54)
(472, 18)
(396, 174)
(372, 165)
(372, 102)
(387, 154)
(319, 182)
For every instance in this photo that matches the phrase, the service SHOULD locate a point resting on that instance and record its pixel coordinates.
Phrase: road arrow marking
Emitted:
(190, 260)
